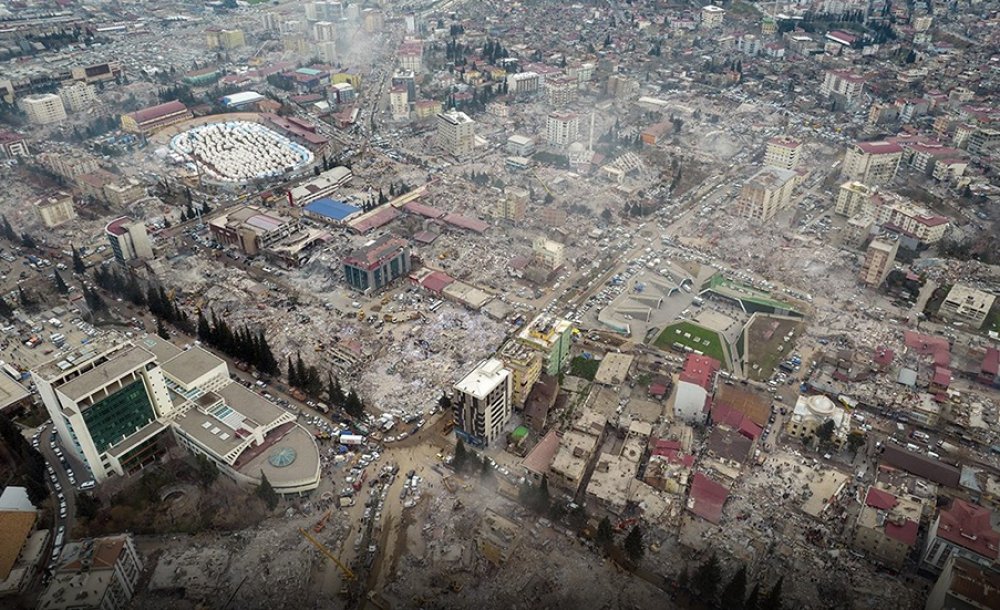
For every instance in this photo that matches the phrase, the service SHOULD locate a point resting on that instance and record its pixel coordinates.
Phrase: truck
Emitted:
(322, 407)
(351, 439)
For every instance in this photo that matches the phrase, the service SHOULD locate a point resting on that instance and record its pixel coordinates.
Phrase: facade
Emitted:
(525, 366)
(712, 16)
(69, 166)
(694, 389)
(852, 198)
(456, 133)
(55, 210)
(149, 120)
(967, 305)
(561, 90)
(78, 96)
(964, 585)
(399, 103)
(872, 163)
(547, 254)
(251, 229)
(811, 412)
(886, 527)
(523, 83)
(962, 530)
(97, 573)
(18, 552)
(782, 153)
(842, 84)
(552, 338)
(562, 129)
(520, 146)
(377, 264)
(901, 216)
(766, 193)
(13, 145)
(128, 239)
(483, 402)
(43, 109)
(879, 258)
(982, 140)
(111, 403)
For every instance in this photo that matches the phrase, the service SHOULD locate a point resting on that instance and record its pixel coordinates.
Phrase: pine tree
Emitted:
(5, 309)
(444, 402)
(605, 534)
(772, 601)
(633, 545)
(705, 581)
(461, 456)
(293, 379)
(23, 298)
(753, 602)
(204, 329)
(301, 374)
(161, 330)
(734, 595)
(78, 265)
(61, 286)
(266, 493)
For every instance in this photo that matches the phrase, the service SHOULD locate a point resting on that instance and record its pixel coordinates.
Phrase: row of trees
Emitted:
(242, 344)
(26, 464)
(707, 578)
(633, 545)
(307, 378)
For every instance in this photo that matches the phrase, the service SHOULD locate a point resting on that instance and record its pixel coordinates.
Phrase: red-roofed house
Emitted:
(694, 388)
(964, 530)
(724, 415)
(707, 498)
(883, 358)
(887, 527)
(941, 379)
(925, 345)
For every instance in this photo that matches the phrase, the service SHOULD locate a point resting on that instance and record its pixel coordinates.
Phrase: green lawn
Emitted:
(701, 339)
(585, 368)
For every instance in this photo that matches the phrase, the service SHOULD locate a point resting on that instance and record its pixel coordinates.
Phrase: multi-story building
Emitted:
(552, 338)
(399, 103)
(872, 163)
(426, 109)
(483, 403)
(982, 140)
(782, 152)
(43, 108)
(231, 39)
(252, 229)
(886, 527)
(110, 403)
(68, 166)
(962, 530)
(695, 386)
(372, 20)
(377, 264)
(622, 87)
(547, 254)
(561, 90)
(408, 80)
(324, 31)
(964, 585)
(967, 305)
(917, 223)
(123, 192)
(149, 120)
(879, 258)
(562, 129)
(96, 73)
(272, 21)
(520, 146)
(842, 84)
(78, 96)
(768, 192)
(525, 366)
(712, 16)
(523, 83)
(510, 208)
(853, 198)
(456, 133)
(411, 56)
(811, 412)
(128, 239)
(324, 185)
(94, 574)
(55, 209)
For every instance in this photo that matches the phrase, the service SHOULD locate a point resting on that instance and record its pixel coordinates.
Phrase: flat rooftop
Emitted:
(118, 365)
(483, 379)
(187, 366)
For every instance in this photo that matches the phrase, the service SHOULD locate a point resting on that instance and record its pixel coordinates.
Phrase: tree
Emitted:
(461, 458)
(824, 434)
(204, 329)
(753, 602)
(633, 545)
(266, 493)
(23, 298)
(7, 230)
(61, 286)
(28, 241)
(5, 309)
(293, 379)
(444, 402)
(161, 330)
(734, 595)
(207, 471)
(772, 601)
(705, 580)
(87, 505)
(605, 535)
(855, 440)
(606, 215)
(78, 265)
(544, 497)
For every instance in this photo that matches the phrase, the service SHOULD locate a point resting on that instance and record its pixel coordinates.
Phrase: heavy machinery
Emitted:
(361, 314)
(348, 574)
(321, 524)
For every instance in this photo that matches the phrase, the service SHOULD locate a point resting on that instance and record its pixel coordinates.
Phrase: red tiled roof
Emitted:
(707, 498)
(437, 281)
(968, 526)
(155, 113)
(883, 356)
(942, 376)
(728, 416)
(880, 499)
(699, 370)
(420, 209)
(991, 361)
(905, 533)
(928, 345)
(465, 222)
(373, 220)
(879, 148)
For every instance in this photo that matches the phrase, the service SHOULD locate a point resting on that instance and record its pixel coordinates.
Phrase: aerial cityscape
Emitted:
(455, 304)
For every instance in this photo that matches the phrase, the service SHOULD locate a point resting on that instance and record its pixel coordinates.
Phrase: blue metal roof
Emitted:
(337, 210)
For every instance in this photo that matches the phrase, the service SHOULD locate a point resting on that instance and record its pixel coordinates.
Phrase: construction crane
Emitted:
(348, 574)
(545, 186)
